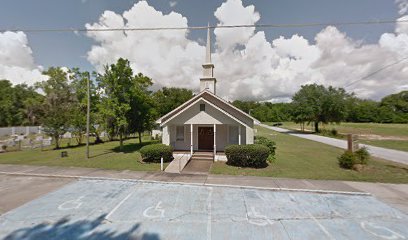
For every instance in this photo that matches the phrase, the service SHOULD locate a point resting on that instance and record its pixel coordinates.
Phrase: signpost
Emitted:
(352, 142)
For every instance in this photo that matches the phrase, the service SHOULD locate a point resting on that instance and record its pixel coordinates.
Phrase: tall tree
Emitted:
(167, 99)
(398, 105)
(79, 83)
(9, 113)
(19, 104)
(317, 104)
(58, 103)
(142, 113)
(116, 83)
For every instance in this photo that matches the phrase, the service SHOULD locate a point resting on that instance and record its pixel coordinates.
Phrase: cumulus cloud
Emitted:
(16, 60)
(173, 3)
(169, 57)
(248, 65)
(402, 6)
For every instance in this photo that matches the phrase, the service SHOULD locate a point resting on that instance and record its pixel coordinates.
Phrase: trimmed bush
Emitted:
(154, 152)
(362, 156)
(268, 143)
(347, 160)
(253, 155)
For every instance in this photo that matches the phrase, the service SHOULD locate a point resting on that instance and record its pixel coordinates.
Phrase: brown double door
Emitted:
(205, 138)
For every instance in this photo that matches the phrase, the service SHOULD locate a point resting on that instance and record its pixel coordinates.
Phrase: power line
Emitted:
(289, 25)
(376, 71)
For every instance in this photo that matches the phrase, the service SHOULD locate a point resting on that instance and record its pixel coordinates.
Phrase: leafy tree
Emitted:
(9, 114)
(58, 103)
(398, 105)
(19, 104)
(142, 113)
(116, 84)
(317, 104)
(79, 83)
(167, 99)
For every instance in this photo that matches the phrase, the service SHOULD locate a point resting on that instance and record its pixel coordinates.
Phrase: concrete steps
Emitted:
(202, 156)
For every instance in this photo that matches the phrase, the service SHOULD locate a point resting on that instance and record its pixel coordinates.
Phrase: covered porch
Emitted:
(205, 137)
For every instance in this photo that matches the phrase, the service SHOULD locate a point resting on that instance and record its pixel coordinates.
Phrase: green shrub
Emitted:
(330, 133)
(362, 156)
(268, 143)
(347, 160)
(154, 152)
(253, 155)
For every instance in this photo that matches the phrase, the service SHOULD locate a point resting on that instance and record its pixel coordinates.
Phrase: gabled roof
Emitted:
(212, 98)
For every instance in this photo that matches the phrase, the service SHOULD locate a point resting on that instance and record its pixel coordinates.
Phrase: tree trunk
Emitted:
(121, 140)
(140, 137)
(316, 125)
(56, 137)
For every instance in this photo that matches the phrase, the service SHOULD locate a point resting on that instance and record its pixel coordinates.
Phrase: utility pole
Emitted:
(88, 115)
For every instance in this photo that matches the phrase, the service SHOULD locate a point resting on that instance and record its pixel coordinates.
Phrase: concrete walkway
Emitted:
(395, 195)
(385, 153)
(179, 162)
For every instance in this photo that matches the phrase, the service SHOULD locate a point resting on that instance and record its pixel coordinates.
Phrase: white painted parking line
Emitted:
(118, 206)
(209, 199)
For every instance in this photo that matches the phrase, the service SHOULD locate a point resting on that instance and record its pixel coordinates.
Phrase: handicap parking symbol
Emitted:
(154, 211)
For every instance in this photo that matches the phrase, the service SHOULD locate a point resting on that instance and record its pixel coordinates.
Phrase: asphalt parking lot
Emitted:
(111, 209)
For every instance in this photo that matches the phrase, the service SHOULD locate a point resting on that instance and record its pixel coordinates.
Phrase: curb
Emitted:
(186, 183)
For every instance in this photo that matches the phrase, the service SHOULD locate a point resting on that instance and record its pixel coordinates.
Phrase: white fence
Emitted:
(9, 131)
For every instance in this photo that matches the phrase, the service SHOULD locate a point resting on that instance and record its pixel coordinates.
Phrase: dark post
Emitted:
(88, 117)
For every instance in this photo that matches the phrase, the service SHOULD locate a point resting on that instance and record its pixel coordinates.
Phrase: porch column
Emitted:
(239, 134)
(191, 139)
(215, 139)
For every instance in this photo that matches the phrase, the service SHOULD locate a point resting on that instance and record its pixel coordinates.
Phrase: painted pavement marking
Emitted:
(158, 211)
(118, 206)
(201, 212)
(378, 231)
(209, 213)
(71, 204)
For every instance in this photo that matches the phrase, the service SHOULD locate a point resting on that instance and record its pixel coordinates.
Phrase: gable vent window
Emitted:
(202, 107)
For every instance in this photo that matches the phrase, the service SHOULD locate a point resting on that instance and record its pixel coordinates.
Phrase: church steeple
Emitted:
(208, 80)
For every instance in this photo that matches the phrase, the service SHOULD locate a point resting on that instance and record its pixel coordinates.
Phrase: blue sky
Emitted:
(69, 49)
(261, 64)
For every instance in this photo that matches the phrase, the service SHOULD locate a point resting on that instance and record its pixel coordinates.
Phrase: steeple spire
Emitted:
(208, 47)
(208, 81)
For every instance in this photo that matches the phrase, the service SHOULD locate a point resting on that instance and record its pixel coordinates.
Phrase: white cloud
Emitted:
(247, 65)
(402, 6)
(16, 60)
(232, 12)
(173, 3)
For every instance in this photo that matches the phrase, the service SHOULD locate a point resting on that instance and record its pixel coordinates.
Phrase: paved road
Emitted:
(108, 209)
(385, 153)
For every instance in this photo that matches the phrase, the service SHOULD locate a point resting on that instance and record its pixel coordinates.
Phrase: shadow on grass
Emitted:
(81, 229)
(399, 167)
(131, 147)
(260, 166)
(101, 154)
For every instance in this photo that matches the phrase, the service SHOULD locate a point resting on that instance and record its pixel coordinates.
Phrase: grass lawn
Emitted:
(305, 159)
(104, 156)
(393, 136)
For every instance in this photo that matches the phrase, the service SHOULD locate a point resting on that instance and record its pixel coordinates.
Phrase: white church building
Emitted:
(206, 122)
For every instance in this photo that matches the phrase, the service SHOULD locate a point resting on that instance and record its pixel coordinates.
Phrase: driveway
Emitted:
(385, 153)
(115, 209)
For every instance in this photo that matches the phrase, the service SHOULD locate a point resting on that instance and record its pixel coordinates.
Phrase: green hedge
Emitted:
(349, 159)
(253, 155)
(154, 152)
(268, 143)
